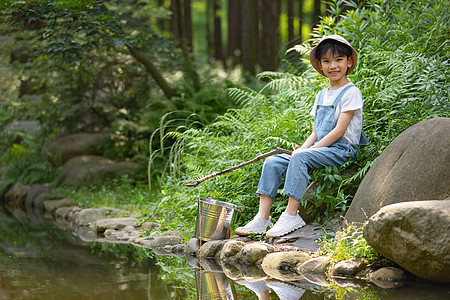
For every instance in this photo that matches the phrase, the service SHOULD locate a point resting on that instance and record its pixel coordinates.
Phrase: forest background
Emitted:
(187, 88)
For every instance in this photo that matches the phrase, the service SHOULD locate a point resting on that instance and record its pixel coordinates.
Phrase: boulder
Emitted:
(210, 248)
(4, 188)
(254, 252)
(51, 206)
(115, 223)
(38, 202)
(349, 267)
(162, 241)
(284, 265)
(316, 265)
(413, 167)
(17, 194)
(229, 251)
(90, 215)
(63, 147)
(34, 191)
(192, 247)
(22, 126)
(94, 170)
(388, 278)
(63, 215)
(415, 235)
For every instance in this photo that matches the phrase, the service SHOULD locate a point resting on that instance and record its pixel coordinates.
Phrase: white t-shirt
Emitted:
(351, 100)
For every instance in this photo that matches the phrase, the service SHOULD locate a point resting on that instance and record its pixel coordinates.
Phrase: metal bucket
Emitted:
(214, 286)
(214, 219)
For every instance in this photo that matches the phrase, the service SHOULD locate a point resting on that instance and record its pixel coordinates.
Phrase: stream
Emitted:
(38, 260)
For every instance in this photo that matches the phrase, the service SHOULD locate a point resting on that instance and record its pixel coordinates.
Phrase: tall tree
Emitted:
(301, 15)
(290, 19)
(234, 30)
(317, 12)
(218, 47)
(188, 23)
(209, 17)
(250, 35)
(173, 20)
(270, 37)
(189, 67)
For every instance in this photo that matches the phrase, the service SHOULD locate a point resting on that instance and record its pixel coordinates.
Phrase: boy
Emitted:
(337, 127)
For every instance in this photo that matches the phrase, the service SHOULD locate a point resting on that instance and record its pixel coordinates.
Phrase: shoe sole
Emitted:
(284, 233)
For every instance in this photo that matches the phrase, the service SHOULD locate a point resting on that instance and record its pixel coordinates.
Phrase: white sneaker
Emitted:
(285, 291)
(256, 226)
(258, 287)
(285, 224)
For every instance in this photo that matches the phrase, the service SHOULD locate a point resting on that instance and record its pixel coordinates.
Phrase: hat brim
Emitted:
(315, 62)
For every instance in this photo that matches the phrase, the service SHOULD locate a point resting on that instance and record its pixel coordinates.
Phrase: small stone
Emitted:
(349, 267)
(388, 277)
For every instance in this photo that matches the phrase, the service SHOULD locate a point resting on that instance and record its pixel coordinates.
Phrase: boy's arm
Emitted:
(312, 138)
(338, 131)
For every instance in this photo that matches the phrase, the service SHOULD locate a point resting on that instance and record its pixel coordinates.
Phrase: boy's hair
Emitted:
(336, 48)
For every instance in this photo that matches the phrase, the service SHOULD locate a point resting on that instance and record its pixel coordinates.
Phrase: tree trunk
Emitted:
(218, 47)
(173, 20)
(160, 22)
(189, 67)
(151, 68)
(249, 35)
(270, 37)
(300, 21)
(290, 20)
(317, 12)
(209, 20)
(234, 31)
(188, 23)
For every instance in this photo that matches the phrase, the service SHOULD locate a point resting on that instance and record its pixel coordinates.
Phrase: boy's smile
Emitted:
(335, 68)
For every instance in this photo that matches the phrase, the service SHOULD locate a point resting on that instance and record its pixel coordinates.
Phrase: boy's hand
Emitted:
(296, 150)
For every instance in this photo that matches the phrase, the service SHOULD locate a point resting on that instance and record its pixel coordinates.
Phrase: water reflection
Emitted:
(214, 286)
(41, 261)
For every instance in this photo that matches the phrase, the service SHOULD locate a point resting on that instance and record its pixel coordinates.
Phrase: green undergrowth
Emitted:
(349, 243)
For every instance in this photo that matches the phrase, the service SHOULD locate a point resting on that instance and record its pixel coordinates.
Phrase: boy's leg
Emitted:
(265, 204)
(297, 179)
(273, 171)
(297, 176)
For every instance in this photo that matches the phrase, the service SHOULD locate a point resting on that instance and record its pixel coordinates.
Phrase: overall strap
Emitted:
(338, 98)
(320, 99)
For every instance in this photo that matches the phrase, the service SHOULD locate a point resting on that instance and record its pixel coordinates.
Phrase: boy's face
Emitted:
(335, 66)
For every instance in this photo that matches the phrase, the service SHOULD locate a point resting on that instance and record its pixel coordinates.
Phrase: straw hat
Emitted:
(314, 61)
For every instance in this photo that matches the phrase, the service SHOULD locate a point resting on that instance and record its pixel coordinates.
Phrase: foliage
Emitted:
(71, 71)
(23, 158)
(401, 74)
(349, 243)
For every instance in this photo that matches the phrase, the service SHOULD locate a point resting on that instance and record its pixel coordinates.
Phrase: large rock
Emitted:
(34, 192)
(17, 194)
(415, 166)
(94, 170)
(88, 216)
(415, 235)
(63, 147)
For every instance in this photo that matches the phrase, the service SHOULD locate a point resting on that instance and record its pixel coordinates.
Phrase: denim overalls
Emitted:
(296, 168)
